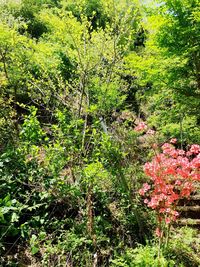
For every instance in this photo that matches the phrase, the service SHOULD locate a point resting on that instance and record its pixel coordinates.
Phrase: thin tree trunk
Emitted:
(86, 121)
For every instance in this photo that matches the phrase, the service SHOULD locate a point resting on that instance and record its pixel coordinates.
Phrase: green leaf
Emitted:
(34, 250)
(14, 217)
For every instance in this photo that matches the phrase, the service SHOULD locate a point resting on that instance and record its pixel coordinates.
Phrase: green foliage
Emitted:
(168, 69)
(31, 131)
(7, 124)
(142, 256)
(75, 79)
(184, 247)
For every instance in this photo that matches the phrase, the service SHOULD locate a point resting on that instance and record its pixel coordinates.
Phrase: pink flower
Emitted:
(169, 149)
(194, 149)
(196, 163)
(175, 213)
(144, 189)
(141, 192)
(162, 210)
(188, 153)
(178, 182)
(173, 174)
(158, 232)
(146, 186)
(181, 152)
(141, 127)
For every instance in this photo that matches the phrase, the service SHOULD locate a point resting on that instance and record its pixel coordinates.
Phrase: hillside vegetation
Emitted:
(91, 91)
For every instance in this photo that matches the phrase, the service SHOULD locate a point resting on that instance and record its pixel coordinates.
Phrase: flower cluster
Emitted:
(173, 173)
(141, 127)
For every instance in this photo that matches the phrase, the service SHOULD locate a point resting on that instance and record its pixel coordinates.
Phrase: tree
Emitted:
(169, 69)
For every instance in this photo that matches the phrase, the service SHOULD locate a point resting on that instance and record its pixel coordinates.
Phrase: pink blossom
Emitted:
(145, 188)
(173, 174)
(178, 182)
(141, 127)
(142, 192)
(175, 213)
(181, 152)
(158, 232)
(194, 149)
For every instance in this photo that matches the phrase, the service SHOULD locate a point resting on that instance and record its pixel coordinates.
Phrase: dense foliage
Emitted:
(77, 81)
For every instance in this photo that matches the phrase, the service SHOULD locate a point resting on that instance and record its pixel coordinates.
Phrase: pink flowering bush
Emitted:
(174, 174)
